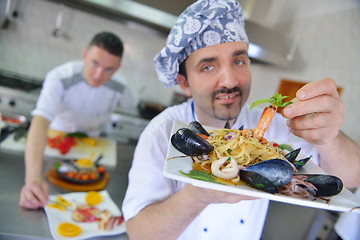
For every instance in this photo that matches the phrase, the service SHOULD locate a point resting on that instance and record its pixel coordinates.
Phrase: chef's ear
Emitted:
(84, 53)
(183, 83)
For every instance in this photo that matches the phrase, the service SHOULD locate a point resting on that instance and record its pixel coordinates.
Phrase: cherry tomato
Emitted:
(101, 169)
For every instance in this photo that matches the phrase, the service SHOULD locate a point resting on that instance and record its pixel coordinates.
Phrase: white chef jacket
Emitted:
(70, 104)
(348, 225)
(147, 184)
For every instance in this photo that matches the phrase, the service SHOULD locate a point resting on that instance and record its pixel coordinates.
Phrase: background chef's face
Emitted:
(218, 79)
(99, 65)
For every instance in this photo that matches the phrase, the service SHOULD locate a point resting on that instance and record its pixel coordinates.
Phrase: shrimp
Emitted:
(268, 113)
(225, 168)
(264, 121)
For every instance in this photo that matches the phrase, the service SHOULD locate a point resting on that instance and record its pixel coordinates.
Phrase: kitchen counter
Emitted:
(19, 223)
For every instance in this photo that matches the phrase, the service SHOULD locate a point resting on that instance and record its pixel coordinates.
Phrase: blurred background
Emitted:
(295, 40)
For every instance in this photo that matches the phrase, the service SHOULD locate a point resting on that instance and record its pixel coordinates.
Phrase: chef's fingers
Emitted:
(313, 89)
(28, 200)
(40, 192)
(34, 195)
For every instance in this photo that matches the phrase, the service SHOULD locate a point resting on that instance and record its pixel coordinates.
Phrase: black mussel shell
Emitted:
(189, 143)
(291, 156)
(258, 181)
(327, 185)
(227, 125)
(277, 171)
(198, 128)
(300, 163)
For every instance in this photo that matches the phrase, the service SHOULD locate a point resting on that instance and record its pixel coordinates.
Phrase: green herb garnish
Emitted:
(200, 175)
(276, 100)
(286, 147)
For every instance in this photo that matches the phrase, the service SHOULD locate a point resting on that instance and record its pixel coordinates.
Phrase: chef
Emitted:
(206, 54)
(78, 96)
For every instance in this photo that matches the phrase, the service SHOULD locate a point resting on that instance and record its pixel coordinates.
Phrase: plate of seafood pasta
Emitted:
(235, 161)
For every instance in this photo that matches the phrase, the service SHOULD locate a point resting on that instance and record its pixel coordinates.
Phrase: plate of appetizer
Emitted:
(82, 215)
(242, 161)
(81, 170)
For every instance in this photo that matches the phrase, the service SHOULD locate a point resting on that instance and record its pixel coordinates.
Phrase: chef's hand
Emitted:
(34, 195)
(208, 196)
(317, 112)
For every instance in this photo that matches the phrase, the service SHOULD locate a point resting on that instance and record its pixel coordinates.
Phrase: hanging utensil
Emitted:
(57, 31)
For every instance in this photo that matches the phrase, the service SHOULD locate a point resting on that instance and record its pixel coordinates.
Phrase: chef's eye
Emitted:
(207, 68)
(95, 63)
(109, 70)
(239, 62)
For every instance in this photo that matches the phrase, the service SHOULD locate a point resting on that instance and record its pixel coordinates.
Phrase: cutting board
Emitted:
(104, 146)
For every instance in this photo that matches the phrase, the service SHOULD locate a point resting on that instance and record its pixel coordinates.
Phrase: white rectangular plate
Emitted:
(55, 217)
(345, 201)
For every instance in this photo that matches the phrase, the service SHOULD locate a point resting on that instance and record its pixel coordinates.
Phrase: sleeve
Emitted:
(147, 183)
(49, 100)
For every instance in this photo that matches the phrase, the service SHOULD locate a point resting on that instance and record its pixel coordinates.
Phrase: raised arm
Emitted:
(316, 116)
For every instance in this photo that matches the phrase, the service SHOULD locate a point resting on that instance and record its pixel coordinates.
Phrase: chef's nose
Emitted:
(228, 78)
(99, 71)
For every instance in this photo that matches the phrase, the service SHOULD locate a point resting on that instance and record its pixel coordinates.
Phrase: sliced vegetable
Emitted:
(77, 134)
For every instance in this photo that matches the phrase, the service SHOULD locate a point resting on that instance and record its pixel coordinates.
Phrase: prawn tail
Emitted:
(264, 121)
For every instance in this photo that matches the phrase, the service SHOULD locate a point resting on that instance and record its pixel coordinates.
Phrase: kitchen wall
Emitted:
(28, 46)
(328, 34)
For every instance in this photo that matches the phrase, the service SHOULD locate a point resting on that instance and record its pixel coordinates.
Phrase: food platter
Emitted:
(345, 201)
(89, 229)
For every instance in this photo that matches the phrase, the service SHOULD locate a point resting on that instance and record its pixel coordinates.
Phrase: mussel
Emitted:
(326, 185)
(198, 128)
(190, 143)
(291, 157)
(267, 175)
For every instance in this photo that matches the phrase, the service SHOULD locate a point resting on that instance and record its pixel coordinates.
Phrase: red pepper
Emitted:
(64, 144)
(203, 136)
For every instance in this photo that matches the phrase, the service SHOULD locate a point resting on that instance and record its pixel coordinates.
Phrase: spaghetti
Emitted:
(241, 146)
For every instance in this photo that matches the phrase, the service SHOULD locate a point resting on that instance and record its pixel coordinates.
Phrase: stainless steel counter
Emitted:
(18, 223)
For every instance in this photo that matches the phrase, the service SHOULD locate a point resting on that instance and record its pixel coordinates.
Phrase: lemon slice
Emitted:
(56, 206)
(67, 229)
(61, 200)
(93, 198)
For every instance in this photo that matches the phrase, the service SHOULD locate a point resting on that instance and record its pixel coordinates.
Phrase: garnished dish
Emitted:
(83, 215)
(237, 156)
(82, 170)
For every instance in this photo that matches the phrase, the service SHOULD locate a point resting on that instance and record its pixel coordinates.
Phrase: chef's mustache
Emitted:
(227, 91)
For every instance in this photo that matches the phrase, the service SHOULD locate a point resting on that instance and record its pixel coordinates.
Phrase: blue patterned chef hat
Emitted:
(202, 24)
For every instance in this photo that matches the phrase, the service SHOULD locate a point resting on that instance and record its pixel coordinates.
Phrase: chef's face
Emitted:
(218, 79)
(99, 65)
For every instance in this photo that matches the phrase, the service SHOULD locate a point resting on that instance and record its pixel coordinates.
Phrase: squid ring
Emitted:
(228, 171)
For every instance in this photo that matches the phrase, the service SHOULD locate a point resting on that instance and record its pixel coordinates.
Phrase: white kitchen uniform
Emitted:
(147, 185)
(348, 225)
(70, 104)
